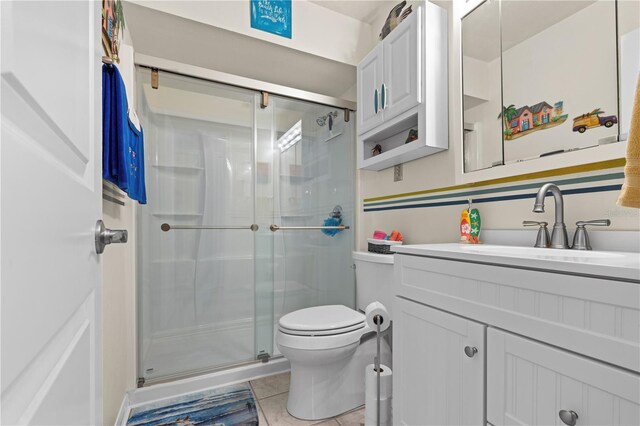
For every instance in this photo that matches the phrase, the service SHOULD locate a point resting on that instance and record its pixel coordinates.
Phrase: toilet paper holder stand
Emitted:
(377, 320)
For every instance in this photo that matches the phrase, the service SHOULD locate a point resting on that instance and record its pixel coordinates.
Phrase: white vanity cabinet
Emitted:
(529, 383)
(438, 367)
(555, 340)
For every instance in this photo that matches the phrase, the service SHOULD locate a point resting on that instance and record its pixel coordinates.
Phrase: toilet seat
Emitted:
(321, 327)
(322, 320)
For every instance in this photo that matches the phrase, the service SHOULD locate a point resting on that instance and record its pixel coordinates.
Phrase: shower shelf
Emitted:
(178, 214)
(177, 167)
(297, 179)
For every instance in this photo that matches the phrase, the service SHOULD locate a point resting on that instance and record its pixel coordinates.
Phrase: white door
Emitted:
(369, 84)
(402, 59)
(529, 383)
(50, 199)
(435, 382)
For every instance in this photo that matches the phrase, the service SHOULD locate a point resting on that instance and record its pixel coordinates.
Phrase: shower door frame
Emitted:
(161, 64)
(166, 65)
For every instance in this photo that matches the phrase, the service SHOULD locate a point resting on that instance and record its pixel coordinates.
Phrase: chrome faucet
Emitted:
(559, 237)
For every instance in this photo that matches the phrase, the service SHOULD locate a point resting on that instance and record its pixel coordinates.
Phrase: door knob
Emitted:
(568, 417)
(470, 351)
(104, 236)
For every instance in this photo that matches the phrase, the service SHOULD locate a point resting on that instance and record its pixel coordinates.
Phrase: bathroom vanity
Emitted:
(515, 335)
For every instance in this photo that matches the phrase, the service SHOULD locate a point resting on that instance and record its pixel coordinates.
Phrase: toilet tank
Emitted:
(374, 279)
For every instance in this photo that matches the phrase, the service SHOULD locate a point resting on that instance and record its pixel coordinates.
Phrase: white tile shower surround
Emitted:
(271, 393)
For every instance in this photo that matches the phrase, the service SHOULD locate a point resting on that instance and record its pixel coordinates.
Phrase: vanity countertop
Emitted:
(605, 264)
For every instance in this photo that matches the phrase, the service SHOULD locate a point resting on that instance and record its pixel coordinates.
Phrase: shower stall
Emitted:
(228, 242)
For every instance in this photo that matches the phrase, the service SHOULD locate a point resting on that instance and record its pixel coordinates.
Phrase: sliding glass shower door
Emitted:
(197, 261)
(313, 157)
(214, 273)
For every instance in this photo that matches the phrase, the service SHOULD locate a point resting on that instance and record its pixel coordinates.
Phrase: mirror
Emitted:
(552, 77)
(481, 87)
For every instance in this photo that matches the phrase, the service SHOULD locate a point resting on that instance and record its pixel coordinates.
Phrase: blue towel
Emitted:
(122, 142)
(331, 221)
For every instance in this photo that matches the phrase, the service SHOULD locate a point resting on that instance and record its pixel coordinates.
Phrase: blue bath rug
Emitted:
(228, 406)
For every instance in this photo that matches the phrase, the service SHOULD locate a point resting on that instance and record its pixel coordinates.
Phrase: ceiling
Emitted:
(361, 10)
(165, 36)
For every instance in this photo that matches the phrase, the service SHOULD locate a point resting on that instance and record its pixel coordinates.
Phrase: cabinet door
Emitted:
(401, 79)
(434, 381)
(369, 83)
(528, 383)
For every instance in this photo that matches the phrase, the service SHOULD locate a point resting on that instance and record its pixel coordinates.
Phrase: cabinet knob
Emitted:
(470, 352)
(568, 417)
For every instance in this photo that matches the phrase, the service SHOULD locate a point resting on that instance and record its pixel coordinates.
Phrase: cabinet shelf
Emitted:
(401, 154)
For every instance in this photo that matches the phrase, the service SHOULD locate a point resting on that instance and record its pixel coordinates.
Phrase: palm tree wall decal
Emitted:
(507, 114)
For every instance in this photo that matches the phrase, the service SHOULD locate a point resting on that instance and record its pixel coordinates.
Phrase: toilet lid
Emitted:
(336, 318)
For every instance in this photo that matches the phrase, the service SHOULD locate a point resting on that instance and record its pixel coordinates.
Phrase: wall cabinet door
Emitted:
(401, 79)
(369, 83)
(529, 383)
(434, 381)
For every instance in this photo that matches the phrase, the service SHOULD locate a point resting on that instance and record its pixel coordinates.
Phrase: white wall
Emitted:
(119, 289)
(440, 224)
(315, 29)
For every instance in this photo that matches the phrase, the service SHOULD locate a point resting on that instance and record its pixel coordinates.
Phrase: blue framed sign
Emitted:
(272, 16)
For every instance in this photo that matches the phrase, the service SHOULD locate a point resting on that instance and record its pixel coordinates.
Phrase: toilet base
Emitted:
(330, 382)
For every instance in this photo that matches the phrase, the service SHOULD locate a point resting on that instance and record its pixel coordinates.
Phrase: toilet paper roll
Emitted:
(371, 395)
(370, 413)
(377, 308)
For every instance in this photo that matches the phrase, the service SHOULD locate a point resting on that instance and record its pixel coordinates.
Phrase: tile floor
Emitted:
(271, 393)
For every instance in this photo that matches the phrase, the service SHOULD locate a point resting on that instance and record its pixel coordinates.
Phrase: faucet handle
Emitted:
(581, 238)
(534, 223)
(596, 222)
(543, 239)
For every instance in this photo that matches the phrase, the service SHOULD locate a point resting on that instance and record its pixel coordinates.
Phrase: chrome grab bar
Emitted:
(275, 228)
(166, 227)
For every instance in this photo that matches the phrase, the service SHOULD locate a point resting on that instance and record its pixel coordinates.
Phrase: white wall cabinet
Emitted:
(370, 79)
(435, 381)
(402, 86)
(388, 77)
(529, 383)
(553, 342)
(400, 89)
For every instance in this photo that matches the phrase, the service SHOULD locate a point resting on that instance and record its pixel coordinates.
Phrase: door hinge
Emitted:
(140, 382)
(154, 78)
(264, 99)
(263, 356)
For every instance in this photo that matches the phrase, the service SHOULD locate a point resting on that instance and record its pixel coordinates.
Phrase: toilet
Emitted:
(329, 346)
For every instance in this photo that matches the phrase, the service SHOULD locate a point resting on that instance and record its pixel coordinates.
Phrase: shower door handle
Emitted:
(275, 228)
(166, 227)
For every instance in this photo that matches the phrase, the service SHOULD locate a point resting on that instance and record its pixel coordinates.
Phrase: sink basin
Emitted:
(538, 252)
